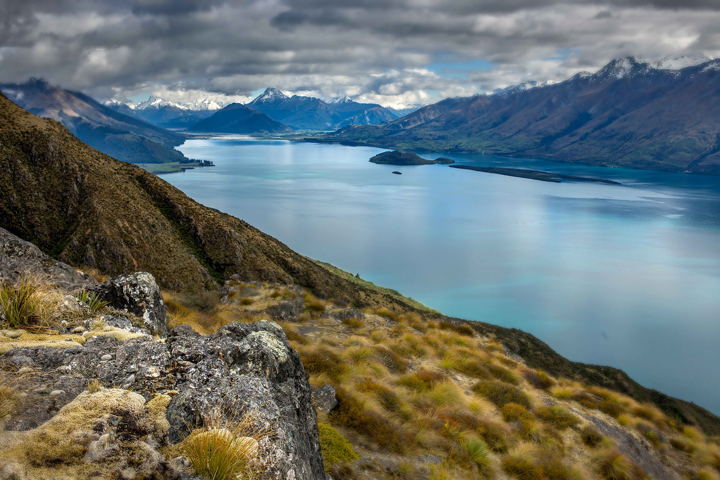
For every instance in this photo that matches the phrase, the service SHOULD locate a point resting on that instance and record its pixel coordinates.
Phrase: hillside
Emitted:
(87, 209)
(237, 118)
(113, 133)
(314, 114)
(628, 114)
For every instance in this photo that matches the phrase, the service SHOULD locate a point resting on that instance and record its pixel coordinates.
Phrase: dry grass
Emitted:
(12, 399)
(612, 465)
(29, 301)
(225, 448)
(94, 386)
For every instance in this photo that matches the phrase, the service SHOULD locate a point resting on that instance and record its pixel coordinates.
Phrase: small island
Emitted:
(534, 174)
(397, 173)
(406, 158)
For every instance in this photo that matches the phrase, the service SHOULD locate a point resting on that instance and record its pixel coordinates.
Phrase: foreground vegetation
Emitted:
(436, 400)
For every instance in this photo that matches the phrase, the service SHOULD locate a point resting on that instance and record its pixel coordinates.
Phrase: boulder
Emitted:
(18, 256)
(139, 294)
(324, 399)
(243, 368)
(286, 311)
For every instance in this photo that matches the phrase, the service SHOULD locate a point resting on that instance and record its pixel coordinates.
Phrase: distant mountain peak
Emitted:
(683, 61)
(270, 95)
(341, 100)
(521, 87)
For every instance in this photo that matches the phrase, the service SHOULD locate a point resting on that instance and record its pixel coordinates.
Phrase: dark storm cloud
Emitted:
(376, 50)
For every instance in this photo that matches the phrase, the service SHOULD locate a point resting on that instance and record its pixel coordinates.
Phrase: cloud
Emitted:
(371, 50)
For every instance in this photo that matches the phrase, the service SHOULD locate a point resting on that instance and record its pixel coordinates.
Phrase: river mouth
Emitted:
(622, 275)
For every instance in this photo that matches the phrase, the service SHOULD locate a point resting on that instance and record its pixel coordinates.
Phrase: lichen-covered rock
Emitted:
(18, 256)
(286, 311)
(346, 314)
(138, 294)
(242, 368)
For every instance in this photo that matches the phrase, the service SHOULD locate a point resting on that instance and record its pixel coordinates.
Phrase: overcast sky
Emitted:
(392, 52)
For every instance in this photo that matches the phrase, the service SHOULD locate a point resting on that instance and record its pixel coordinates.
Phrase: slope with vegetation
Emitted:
(120, 136)
(628, 114)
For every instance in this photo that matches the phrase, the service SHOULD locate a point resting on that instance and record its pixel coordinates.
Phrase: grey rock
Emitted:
(241, 368)
(324, 399)
(286, 311)
(138, 294)
(346, 314)
(123, 324)
(18, 256)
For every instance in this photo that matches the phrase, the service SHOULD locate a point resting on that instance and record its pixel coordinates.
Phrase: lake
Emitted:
(627, 276)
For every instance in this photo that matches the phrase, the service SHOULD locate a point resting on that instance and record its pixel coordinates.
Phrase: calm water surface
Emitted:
(627, 276)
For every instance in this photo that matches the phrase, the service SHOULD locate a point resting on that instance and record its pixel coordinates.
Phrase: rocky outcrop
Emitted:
(324, 398)
(240, 369)
(18, 256)
(138, 294)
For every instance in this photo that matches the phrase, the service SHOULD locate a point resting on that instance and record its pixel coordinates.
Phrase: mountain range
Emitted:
(631, 113)
(166, 114)
(309, 113)
(237, 118)
(121, 136)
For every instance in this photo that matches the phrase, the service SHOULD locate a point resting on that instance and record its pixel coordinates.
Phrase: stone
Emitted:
(123, 324)
(71, 304)
(138, 294)
(286, 311)
(106, 357)
(18, 256)
(346, 314)
(324, 399)
(243, 368)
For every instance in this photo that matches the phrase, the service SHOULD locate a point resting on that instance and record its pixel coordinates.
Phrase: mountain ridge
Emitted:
(627, 114)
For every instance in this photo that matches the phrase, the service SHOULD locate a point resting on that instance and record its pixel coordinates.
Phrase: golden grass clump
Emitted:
(612, 465)
(501, 393)
(422, 381)
(29, 301)
(503, 374)
(512, 412)
(538, 379)
(521, 464)
(558, 417)
(94, 386)
(224, 449)
(313, 304)
(462, 329)
(318, 360)
(590, 436)
(12, 400)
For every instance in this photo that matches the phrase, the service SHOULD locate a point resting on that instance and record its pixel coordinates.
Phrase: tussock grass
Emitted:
(462, 329)
(92, 300)
(612, 465)
(94, 386)
(29, 301)
(513, 411)
(591, 437)
(503, 374)
(521, 464)
(12, 399)
(422, 381)
(319, 360)
(501, 393)
(538, 379)
(224, 448)
(558, 417)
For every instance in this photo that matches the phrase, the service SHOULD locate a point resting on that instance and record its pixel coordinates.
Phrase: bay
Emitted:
(627, 276)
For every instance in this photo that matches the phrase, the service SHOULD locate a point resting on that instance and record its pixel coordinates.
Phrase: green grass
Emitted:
(387, 291)
(334, 446)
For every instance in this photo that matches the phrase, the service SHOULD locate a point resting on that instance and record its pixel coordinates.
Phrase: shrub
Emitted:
(462, 329)
(553, 468)
(472, 368)
(558, 417)
(334, 446)
(246, 301)
(501, 393)
(28, 302)
(293, 335)
(224, 449)
(683, 445)
(503, 374)
(495, 435)
(313, 304)
(388, 399)
(351, 414)
(421, 381)
(612, 465)
(610, 408)
(590, 436)
(538, 379)
(513, 411)
(322, 360)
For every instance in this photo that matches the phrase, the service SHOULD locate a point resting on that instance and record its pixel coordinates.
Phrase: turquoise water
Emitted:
(627, 276)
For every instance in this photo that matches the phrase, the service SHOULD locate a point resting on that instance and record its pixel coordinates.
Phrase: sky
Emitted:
(393, 52)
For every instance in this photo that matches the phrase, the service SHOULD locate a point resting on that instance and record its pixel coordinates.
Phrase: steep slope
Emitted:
(85, 208)
(314, 114)
(629, 114)
(237, 118)
(113, 133)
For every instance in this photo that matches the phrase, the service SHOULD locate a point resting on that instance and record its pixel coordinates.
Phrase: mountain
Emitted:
(315, 114)
(88, 209)
(237, 118)
(167, 114)
(120, 136)
(631, 113)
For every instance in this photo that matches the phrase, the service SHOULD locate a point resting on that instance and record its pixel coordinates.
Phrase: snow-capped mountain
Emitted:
(166, 113)
(678, 63)
(521, 87)
(316, 114)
